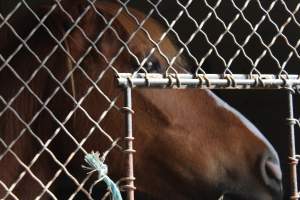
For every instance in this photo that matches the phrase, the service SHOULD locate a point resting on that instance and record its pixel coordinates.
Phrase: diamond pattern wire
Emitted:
(76, 65)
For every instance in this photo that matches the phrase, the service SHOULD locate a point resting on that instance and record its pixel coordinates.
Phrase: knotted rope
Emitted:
(96, 164)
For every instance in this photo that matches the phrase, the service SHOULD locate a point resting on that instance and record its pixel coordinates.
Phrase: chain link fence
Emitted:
(50, 91)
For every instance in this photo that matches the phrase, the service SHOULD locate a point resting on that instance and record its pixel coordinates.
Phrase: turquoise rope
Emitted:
(115, 192)
(96, 163)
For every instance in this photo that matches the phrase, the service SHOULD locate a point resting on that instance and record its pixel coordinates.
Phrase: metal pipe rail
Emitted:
(214, 81)
(211, 81)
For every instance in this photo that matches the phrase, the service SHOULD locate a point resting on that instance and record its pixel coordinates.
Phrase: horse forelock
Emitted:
(141, 34)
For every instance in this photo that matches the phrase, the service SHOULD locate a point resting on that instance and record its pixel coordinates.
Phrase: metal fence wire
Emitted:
(50, 93)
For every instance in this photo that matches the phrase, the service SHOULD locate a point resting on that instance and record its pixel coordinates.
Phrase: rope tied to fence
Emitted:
(96, 164)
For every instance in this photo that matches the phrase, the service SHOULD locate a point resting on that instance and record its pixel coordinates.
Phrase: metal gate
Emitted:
(249, 44)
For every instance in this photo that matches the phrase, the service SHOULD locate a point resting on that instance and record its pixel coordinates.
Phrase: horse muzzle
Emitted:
(270, 181)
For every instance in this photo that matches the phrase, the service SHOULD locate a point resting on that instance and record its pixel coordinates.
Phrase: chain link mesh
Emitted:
(219, 39)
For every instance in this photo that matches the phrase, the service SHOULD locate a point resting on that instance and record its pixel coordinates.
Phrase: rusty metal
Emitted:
(129, 139)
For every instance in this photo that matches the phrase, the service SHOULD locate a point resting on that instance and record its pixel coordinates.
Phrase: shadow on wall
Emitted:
(267, 109)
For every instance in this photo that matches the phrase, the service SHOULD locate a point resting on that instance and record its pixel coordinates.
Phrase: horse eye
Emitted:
(152, 66)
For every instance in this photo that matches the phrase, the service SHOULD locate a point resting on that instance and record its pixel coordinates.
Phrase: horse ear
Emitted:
(74, 7)
(65, 8)
(63, 17)
(91, 26)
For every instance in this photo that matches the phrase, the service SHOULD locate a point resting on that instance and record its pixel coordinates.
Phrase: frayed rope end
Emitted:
(96, 163)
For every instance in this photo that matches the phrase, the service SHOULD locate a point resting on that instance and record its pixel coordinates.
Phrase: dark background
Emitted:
(267, 109)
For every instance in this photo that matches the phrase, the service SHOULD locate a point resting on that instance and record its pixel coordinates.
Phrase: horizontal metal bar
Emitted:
(211, 81)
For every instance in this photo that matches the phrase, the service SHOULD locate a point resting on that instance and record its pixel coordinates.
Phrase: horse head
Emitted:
(190, 144)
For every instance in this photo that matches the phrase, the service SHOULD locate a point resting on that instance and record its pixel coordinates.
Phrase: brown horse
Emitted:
(54, 97)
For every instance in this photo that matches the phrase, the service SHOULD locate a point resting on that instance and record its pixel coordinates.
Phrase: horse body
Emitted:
(190, 144)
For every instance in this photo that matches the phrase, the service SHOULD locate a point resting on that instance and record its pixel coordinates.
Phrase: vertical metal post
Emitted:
(129, 138)
(292, 148)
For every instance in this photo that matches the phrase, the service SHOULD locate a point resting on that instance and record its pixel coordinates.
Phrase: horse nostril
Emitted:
(271, 172)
